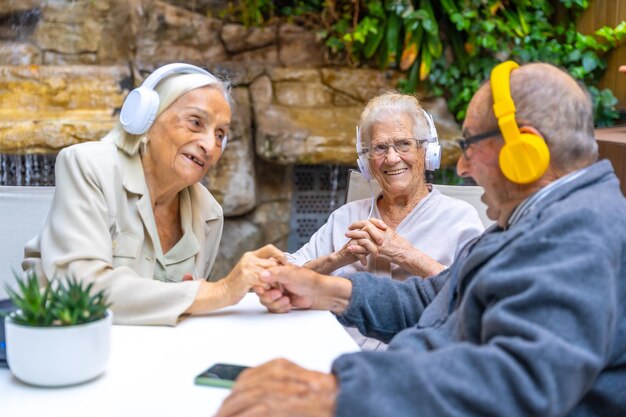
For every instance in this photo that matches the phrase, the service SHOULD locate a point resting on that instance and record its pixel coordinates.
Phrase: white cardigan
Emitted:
(438, 226)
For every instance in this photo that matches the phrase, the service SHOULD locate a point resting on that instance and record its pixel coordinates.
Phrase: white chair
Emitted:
(358, 189)
(23, 210)
(470, 194)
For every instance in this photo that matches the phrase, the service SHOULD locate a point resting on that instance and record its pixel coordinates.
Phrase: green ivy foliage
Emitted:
(450, 46)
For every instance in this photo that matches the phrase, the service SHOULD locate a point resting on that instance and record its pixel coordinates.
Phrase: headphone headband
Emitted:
(432, 130)
(160, 73)
(501, 87)
(142, 104)
(525, 157)
(503, 105)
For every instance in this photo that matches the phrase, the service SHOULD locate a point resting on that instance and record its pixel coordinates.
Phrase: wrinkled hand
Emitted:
(376, 238)
(281, 388)
(352, 250)
(245, 275)
(289, 287)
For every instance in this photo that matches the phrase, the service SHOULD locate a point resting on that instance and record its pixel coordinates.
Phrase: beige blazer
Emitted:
(101, 228)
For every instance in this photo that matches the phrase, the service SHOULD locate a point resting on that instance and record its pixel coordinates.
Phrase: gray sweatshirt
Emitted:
(530, 322)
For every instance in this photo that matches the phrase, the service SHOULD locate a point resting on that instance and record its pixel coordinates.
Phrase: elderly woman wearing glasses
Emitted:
(413, 229)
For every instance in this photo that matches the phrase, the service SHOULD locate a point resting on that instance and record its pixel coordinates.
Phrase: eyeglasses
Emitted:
(401, 146)
(465, 143)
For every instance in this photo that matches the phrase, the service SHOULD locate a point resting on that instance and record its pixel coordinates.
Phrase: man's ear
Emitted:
(531, 130)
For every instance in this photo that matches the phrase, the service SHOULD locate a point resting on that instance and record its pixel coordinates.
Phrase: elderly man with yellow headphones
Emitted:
(528, 320)
(130, 215)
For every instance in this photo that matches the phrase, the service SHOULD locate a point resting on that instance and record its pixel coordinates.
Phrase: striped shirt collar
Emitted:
(531, 201)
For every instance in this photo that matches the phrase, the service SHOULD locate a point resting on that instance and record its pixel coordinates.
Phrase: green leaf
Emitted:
(373, 41)
(434, 46)
(412, 80)
(575, 55)
(513, 23)
(425, 64)
(590, 61)
(393, 33)
(410, 50)
(429, 22)
(523, 24)
(607, 33)
(449, 6)
(64, 302)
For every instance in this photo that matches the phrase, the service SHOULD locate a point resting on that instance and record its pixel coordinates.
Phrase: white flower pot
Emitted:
(57, 356)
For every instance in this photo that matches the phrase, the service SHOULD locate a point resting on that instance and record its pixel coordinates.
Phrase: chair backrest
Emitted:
(470, 194)
(358, 188)
(22, 213)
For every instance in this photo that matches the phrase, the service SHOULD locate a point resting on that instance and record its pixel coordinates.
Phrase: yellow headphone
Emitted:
(525, 157)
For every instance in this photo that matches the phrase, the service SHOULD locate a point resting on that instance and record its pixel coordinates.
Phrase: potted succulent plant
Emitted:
(60, 334)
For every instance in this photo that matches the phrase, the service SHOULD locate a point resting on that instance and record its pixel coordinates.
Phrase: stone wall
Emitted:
(66, 66)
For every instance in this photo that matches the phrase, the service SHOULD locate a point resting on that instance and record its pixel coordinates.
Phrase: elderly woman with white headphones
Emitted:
(410, 229)
(130, 215)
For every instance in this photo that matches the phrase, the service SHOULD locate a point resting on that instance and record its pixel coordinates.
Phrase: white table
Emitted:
(151, 369)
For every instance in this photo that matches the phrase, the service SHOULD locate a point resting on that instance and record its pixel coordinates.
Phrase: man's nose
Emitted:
(462, 167)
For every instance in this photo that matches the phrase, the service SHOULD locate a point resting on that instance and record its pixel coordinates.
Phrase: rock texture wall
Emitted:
(66, 66)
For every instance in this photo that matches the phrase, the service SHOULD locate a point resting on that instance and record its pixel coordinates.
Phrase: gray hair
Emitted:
(561, 109)
(388, 106)
(169, 89)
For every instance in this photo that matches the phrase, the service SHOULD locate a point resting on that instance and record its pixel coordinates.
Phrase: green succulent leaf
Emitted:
(63, 302)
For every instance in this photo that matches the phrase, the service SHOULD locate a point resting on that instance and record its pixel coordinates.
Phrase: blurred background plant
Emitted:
(448, 47)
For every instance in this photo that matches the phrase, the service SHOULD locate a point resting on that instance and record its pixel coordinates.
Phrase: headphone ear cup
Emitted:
(363, 167)
(139, 110)
(524, 160)
(433, 156)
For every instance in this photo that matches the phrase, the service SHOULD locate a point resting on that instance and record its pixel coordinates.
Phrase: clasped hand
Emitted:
(374, 237)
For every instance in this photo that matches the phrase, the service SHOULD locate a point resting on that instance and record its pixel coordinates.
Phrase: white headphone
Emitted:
(141, 105)
(433, 150)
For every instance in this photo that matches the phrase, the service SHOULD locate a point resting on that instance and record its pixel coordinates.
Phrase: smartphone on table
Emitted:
(222, 375)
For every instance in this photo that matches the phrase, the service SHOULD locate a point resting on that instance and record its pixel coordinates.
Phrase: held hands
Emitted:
(297, 287)
(281, 388)
(289, 287)
(245, 275)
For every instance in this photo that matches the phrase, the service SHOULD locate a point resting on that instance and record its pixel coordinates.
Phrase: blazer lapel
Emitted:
(205, 212)
(135, 183)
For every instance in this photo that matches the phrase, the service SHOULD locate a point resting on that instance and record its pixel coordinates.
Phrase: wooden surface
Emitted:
(608, 13)
(612, 146)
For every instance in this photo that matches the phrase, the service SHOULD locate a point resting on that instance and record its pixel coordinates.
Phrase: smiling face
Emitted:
(186, 138)
(398, 174)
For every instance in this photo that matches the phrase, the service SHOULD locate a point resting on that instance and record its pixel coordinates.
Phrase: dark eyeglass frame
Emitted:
(465, 143)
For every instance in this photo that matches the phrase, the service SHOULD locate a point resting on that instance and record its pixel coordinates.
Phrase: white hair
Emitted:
(389, 106)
